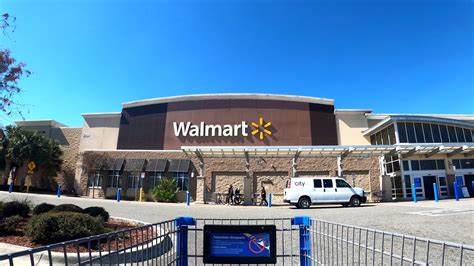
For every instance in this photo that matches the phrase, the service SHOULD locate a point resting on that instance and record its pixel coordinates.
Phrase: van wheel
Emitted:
(304, 202)
(355, 201)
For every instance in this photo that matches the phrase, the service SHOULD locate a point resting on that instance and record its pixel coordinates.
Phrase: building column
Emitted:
(248, 188)
(200, 189)
(200, 180)
(248, 181)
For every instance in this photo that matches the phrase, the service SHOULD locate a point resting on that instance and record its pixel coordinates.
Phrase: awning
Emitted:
(114, 164)
(404, 150)
(156, 165)
(134, 165)
(179, 165)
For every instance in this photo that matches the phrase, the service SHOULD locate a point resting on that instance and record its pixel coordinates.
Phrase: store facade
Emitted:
(250, 141)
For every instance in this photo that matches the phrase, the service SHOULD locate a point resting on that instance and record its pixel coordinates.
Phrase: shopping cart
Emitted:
(299, 241)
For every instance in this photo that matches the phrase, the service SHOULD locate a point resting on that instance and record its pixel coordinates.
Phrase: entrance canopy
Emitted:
(405, 150)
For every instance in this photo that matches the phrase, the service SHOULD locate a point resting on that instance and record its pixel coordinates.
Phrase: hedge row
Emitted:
(52, 227)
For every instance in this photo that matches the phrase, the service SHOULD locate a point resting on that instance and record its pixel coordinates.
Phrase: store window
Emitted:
(436, 133)
(468, 135)
(444, 133)
(411, 133)
(464, 163)
(155, 179)
(115, 179)
(95, 179)
(427, 133)
(402, 132)
(452, 134)
(133, 180)
(419, 133)
(423, 165)
(183, 179)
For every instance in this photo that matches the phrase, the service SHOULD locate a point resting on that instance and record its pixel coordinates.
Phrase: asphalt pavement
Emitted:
(447, 220)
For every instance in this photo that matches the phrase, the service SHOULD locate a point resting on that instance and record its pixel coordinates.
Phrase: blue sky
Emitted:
(392, 56)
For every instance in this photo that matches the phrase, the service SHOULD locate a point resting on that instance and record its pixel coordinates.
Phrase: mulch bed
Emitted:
(130, 238)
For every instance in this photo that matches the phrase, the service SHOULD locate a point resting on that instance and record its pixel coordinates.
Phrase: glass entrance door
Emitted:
(428, 182)
(443, 187)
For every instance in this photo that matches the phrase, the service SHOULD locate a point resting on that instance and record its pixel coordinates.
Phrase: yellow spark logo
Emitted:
(261, 128)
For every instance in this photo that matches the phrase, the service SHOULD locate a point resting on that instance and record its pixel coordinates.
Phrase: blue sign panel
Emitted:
(417, 182)
(240, 244)
(253, 244)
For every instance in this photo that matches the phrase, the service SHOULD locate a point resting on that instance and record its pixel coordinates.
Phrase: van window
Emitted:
(327, 183)
(317, 183)
(342, 183)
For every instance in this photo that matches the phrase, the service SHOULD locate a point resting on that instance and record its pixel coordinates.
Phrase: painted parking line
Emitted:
(443, 212)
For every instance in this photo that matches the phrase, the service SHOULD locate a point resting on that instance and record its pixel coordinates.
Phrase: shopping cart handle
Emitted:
(185, 220)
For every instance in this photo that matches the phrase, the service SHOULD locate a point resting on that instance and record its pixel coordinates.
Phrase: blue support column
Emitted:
(119, 194)
(304, 223)
(456, 191)
(10, 188)
(59, 191)
(188, 198)
(435, 188)
(182, 223)
(413, 192)
(269, 200)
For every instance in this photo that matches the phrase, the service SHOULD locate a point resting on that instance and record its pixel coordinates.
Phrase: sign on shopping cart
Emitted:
(239, 244)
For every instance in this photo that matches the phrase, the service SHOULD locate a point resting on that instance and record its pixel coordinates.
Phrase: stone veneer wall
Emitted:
(270, 171)
(70, 150)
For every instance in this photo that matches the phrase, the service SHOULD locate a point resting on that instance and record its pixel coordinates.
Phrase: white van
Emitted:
(304, 191)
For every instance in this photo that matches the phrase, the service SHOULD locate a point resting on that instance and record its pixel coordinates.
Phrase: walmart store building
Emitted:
(207, 142)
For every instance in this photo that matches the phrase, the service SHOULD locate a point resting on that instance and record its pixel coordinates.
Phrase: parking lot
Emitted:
(446, 220)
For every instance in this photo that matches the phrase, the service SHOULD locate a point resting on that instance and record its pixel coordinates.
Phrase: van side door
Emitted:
(344, 191)
(329, 192)
(318, 194)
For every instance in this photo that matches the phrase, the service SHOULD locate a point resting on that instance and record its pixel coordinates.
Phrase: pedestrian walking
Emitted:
(230, 195)
(263, 195)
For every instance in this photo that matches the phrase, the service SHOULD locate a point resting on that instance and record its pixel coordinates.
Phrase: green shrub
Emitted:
(42, 208)
(13, 208)
(52, 227)
(67, 208)
(166, 191)
(98, 212)
(8, 225)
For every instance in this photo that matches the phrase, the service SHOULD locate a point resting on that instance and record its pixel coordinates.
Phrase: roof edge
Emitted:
(229, 96)
(40, 122)
(108, 114)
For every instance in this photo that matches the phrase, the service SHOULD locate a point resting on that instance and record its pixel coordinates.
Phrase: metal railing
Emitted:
(300, 241)
(340, 244)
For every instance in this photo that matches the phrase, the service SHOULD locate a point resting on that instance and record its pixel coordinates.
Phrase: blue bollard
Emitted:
(119, 190)
(10, 188)
(413, 192)
(182, 239)
(304, 223)
(188, 198)
(269, 200)
(59, 191)
(435, 188)
(456, 191)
